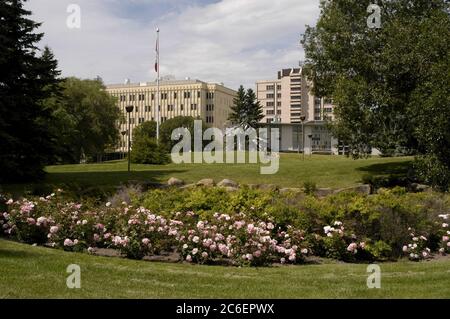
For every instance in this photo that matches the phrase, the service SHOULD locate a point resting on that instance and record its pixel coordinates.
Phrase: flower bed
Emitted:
(245, 237)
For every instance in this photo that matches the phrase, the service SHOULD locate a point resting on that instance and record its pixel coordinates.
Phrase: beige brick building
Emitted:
(207, 101)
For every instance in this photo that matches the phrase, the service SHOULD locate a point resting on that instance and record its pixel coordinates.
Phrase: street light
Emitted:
(310, 136)
(129, 109)
(303, 118)
(123, 138)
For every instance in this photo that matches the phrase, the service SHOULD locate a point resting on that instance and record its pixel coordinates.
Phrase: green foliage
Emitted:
(389, 85)
(170, 125)
(147, 151)
(310, 187)
(246, 111)
(27, 79)
(86, 120)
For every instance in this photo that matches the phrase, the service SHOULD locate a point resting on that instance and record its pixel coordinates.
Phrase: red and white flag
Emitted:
(157, 51)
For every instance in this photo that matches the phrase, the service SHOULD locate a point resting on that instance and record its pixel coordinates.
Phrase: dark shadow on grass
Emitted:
(398, 168)
(13, 253)
(85, 183)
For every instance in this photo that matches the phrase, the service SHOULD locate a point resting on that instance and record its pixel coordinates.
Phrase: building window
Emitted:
(270, 112)
(175, 95)
(296, 89)
(328, 110)
(296, 79)
(137, 109)
(132, 120)
(270, 104)
(279, 95)
(123, 98)
(199, 94)
(316, 110)
(132, 97)
(296, 97)
(163, 96)
(270, 96)
(210, 119)
(296, 114)
(278, 87)
(163, 119)
(278, 103)
(296, 106)
(279, 112)
(141, 97)
(268, 120)
(147, 108)
(169, 107)
(153, 96)
(317, 118)
(210, 107)
(270, 87)
(182, 107)
(187, 95)
(193, 107)
(210, 95)
(141, 120)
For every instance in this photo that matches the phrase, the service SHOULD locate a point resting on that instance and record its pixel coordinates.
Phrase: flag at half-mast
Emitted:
(157, 51)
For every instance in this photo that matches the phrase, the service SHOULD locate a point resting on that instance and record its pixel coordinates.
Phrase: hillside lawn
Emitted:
(323, 170)
(38, 272)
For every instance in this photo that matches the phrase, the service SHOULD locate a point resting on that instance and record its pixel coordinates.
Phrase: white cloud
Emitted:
(231, 41)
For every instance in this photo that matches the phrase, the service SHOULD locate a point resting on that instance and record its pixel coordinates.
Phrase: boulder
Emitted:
(231, 189)
(207, 182)
(420, 188)
(364, 189)
(253, 186)
(175, 182)
(227, 183)
(268, 187)
(322, 192)
(188, 186)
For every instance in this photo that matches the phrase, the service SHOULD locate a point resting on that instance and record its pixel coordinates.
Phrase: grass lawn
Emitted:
(37, 272)
(324, 170)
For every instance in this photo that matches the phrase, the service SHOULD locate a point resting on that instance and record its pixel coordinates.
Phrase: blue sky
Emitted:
(230, 41)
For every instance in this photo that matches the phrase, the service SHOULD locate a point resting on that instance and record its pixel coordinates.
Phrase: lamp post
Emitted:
(303, 118)
(310, 143)
(129, 109)
(123, 139)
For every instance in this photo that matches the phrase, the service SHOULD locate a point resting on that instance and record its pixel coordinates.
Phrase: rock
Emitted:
(207, 182)
(322, 192)
(253, 186)
(175, 182)
(231, 189)
(227, 183)
(420, 188)
(290, 190)
(268, 187)
(188, 186)
(360, 189)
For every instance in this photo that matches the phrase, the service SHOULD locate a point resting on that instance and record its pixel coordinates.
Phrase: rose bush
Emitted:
(255, 229)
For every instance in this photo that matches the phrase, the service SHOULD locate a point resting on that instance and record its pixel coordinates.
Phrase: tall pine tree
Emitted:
(246, 111)
(26, 80)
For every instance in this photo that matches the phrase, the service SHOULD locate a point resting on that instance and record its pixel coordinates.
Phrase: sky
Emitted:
(223, 41)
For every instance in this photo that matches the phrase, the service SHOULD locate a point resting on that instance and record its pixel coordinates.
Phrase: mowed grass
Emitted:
(37, 272)
(324, 170)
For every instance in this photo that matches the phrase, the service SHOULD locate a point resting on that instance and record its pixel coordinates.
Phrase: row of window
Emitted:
(272, 87)
(170, 107)
(271, 96)
(272, 112)
(164, 96)
(272, 104)
(142, 120)
(210, 119)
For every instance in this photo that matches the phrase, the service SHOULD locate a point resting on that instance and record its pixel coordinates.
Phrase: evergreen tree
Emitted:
(26, 79)
(246, 111)
(253, 109)
(238, 109)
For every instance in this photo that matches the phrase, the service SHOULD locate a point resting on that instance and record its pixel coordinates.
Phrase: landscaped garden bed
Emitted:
(245, 227)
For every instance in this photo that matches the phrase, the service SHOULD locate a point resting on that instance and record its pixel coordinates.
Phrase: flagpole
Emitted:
(157, 82)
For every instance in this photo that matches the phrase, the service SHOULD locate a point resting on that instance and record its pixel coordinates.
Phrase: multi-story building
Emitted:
(287, 98)
(207, 101)
(285, 101)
